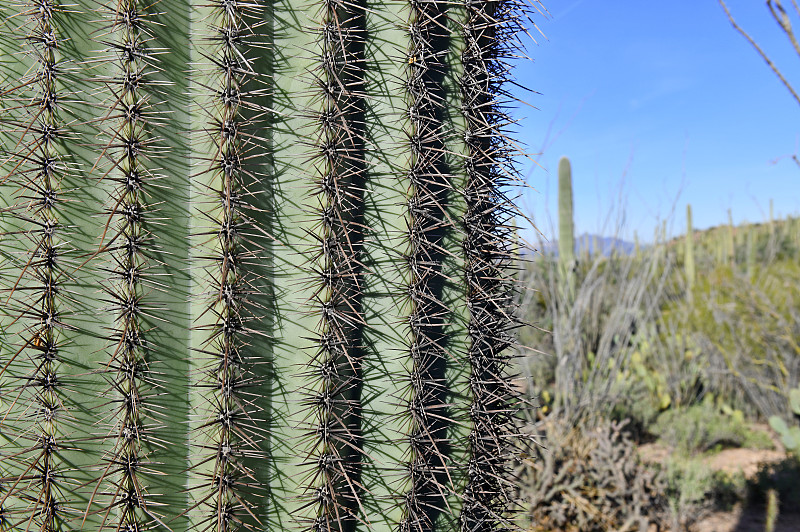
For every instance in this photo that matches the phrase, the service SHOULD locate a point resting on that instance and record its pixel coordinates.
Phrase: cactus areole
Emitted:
(256, 265)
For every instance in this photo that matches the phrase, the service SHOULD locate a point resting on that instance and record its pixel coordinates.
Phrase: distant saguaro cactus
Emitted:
(566, 224)
(751, 251)
(731, 240)
(688, 258)
(773, 510)
(256, 265)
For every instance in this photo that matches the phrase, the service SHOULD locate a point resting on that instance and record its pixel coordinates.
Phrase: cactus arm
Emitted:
(731, 240)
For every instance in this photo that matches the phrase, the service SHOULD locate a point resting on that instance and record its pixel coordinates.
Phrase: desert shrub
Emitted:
(701, 427)
(746, 331)
(591, 479)
(694, 489)
(581, 343)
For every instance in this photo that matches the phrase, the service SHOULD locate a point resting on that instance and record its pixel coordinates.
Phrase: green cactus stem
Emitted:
(731, 240)
(257, 265)
(751, 251)
(566, 224)
(773, 511)
(688, 258)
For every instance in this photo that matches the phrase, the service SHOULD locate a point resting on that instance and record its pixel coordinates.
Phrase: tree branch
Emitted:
(760, 52)
(784, 22)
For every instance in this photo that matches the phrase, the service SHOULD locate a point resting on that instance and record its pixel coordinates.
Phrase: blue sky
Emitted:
(658, 105)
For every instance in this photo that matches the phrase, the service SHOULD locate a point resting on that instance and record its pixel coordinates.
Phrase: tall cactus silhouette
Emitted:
(257, 265)
(566, 225)
(730, 242)
(688, 257)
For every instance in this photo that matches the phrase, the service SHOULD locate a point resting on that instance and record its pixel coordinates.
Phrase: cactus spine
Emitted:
(276, 293)
(566, 225)
(36, 291)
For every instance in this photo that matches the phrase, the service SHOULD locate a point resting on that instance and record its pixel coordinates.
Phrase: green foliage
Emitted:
(703, 427)
(257, 265)
(790, 435)
(693, 489)
(667, 366)
(744, 331)
(698, 371)
(592, 335)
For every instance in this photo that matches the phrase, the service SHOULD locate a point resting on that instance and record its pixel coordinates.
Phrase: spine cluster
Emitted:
(429, 223)
(334, 405)
(32, 491)
(489, 35)
(233, 433)
(128, 163)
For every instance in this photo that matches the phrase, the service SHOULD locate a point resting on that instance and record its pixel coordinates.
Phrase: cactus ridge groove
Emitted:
(36, 416)
(334, 486)
(430, 468)
(232, 432)
(489, 36)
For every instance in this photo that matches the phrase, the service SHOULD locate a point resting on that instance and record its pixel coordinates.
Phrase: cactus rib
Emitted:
(430, 467)
(489, 246)
(334, 487)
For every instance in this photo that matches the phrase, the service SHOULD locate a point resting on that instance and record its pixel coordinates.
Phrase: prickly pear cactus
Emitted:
(790, 435)
(256, 265)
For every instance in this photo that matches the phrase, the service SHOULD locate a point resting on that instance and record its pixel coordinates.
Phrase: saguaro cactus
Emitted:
(688, 257)
(731, 240)
(256, 265)
(566, 224)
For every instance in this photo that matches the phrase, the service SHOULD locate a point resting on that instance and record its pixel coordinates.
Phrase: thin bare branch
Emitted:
(783, 21)
(760, 51)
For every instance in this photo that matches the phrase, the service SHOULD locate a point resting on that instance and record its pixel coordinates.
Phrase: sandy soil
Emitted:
(748, 461)
(746, 520)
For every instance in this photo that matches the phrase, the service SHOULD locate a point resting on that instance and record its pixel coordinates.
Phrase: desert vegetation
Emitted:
(686, 347)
